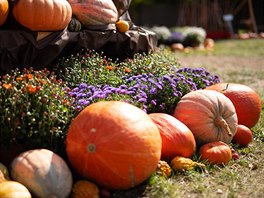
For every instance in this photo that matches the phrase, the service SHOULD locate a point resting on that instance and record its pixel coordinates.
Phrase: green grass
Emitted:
(250, 47)
(239, 178)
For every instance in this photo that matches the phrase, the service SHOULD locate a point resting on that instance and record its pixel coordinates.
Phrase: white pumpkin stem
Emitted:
(220, 121)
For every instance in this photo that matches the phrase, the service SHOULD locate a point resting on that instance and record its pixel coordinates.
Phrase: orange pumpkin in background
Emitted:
(215, 152)
(210, 116)
(114, 144)
(44, 15)
(246, 101)
(177, 139)
(4, 10)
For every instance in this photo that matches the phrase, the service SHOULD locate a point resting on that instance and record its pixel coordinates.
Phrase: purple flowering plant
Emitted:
(146, 91)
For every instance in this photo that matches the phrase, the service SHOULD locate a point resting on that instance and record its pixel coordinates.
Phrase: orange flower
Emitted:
(19, 78)
(31, 89)
(29, 76)
(109, 67)
(7, 86)
(127, 70)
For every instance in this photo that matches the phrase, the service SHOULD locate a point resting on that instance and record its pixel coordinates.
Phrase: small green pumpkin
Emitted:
(74, 25)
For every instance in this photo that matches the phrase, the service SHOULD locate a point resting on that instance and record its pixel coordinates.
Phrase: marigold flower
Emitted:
(29, 76)
(19, 78)
(31, 89)
(7, 86)
(109, 67)
(127, 70)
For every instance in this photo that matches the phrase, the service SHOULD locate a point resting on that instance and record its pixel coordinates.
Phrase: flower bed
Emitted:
(37, 106)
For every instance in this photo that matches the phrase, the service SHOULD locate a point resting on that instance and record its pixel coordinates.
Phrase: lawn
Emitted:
(239, 61)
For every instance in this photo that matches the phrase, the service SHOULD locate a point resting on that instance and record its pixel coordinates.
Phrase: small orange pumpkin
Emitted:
(246, 101)
(243, 136)
(85, 189)
(118, 144)
(177, 139)
(4, 9)
(44, 15)
(122, 26)
(209, 115)
(215, 152)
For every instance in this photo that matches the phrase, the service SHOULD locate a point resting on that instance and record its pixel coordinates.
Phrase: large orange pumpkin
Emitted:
(43, 15)
(114, 144)
(177, 139)
(4, 9)
(210, 116)
(246, 101)
(215, 152)
(91, 12)
(43, 172)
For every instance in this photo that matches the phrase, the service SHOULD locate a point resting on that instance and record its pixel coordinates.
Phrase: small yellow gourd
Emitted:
(179, 163)
(122, 26)
(4, 174)
(164, 169)
(85, 189)
(13, 189)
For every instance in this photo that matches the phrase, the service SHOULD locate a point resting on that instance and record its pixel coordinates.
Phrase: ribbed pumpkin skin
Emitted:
(91, 12)
(215, 152)
(4, 9)
(246, 101)
(177, 139)
(13, 189)
(43, 172)
(114, 144)
(85, 189)
(210, 116)
(43, 15)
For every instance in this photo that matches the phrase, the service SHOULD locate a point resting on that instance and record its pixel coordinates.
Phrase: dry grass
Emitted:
(238, 62)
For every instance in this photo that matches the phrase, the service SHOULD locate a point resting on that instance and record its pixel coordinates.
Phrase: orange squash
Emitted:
(246, 101)
(43, 172)
(4, 10)
(91, 12)
(210, 116)
(177, 139)
(243, 136)
(118, 144)
(43, 15)
(122, 26)
(215, 152)
(13, 189)
(85, 189)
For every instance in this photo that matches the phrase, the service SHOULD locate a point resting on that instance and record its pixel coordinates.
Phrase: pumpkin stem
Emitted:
(226, 87)
(220, 122)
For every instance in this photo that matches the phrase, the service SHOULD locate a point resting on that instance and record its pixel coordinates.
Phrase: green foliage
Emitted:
(94, 68)
(34, 109)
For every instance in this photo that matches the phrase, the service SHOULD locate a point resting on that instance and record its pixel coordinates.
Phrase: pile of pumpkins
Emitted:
(56, 15)
(114, 145)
